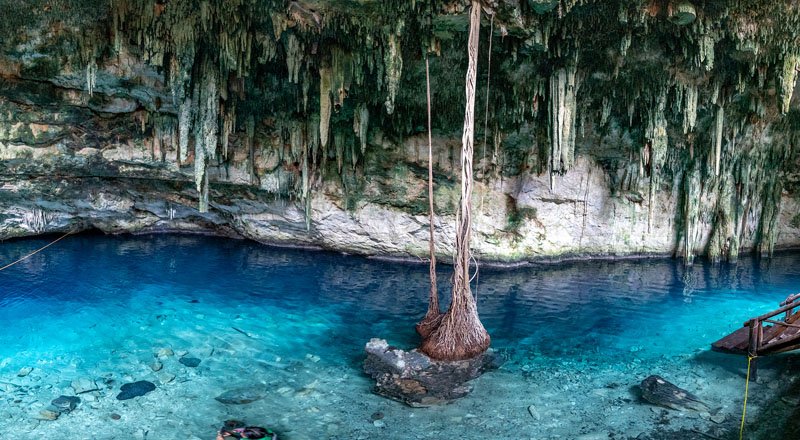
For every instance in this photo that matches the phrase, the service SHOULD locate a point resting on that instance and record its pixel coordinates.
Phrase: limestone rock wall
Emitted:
(279, 130)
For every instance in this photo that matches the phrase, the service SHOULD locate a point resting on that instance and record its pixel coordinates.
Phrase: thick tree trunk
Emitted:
(461, 334)
(434, 315)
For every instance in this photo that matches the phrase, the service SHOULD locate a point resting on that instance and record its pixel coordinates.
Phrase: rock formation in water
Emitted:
(657, 390)
(605, 127)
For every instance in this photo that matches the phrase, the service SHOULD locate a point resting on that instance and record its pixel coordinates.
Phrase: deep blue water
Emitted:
(92, 305)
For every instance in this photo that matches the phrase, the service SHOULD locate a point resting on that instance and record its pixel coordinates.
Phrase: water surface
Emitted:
(293, 324)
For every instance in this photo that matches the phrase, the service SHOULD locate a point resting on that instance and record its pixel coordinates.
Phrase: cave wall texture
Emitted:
(620, 127)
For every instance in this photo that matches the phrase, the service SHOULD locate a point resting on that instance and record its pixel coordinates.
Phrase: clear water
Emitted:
(293, 324)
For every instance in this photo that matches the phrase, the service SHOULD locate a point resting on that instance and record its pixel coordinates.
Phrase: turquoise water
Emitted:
(292, 325)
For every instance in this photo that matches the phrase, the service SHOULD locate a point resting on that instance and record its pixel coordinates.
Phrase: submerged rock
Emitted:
(189, 361)
(241, 396)
(656, 390)
(47, 414)
(135, 389)
(415, 379)
(65, 403)
(165, 377)
(84, 385)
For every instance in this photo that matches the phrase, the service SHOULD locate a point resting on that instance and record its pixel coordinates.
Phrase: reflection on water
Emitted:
(562, 302)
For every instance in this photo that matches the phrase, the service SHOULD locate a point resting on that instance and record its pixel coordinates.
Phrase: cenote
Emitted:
(219, 217)
(290, 327)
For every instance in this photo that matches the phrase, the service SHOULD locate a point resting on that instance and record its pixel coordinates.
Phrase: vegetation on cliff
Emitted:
(693, 95)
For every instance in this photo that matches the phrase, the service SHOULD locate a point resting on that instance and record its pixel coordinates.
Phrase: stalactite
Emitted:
(339, 144)
(656, 130)
(788, 79)
(656, 133)
(313, 131)
(691, 212)
(115, 26)
(294, 57)
(497, 158)
(690, 108)
(563, 91)
(606, 111)
(722, 240)
(718, 121)
(770, 212)
(324, 106)
(341, 75)
(185, 116)
(269, 49)
(228, 126)
(631, 112)
(393, 61)
(142, 117)
(250, 128)
(162, 136)
(743, 179)
(279, 24)
(306, 86)
(91, 76)
(296, 140)
(361, 125)
(205, 130)
(625, 44)
(706, 51)
(306, 185)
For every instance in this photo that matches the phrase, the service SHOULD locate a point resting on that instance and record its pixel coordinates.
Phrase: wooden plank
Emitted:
(783, 338)
(782, 323)
(774, 312)
(754, 339)
(735, 342)
(754, 334)
(780, 330)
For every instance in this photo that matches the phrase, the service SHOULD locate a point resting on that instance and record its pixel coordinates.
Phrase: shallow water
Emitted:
(293, 324)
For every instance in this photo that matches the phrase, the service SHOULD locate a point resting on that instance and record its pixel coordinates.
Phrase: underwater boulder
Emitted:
(656, 390)
(135, 389)
(65, 403)
(191, 362)
(417, 380)
(84, 385)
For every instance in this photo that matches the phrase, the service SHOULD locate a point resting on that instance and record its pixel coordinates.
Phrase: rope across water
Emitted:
(36, 251)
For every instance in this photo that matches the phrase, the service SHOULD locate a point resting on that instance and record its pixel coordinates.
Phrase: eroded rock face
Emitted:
(611, 146)
(415, 379)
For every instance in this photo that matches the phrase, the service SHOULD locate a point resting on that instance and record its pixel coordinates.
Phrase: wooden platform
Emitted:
(766, 334)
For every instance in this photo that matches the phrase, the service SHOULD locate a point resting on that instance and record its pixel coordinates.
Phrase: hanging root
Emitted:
(459, 336)
(433, 317)
(429, 323)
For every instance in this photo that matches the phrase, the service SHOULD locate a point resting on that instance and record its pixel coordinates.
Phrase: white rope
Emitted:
(36, 251)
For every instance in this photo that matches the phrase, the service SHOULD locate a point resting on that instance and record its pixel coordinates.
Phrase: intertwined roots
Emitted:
(459, 336)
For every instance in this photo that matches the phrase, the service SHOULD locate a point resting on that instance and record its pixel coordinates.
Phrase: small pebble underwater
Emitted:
(201, 318)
